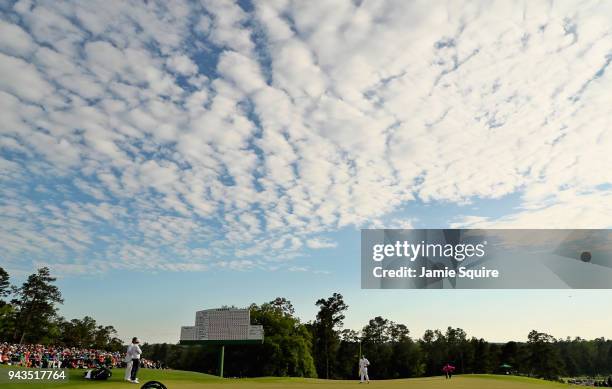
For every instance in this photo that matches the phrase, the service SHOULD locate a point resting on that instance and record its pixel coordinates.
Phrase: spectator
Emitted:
(55, 357)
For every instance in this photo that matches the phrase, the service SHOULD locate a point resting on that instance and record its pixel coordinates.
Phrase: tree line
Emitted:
(31, 316)
(321, 347)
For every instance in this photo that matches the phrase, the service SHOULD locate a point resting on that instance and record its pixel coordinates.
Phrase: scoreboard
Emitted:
(222, 324)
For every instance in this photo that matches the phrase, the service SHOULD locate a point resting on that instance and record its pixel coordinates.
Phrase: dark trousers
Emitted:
(135, 366)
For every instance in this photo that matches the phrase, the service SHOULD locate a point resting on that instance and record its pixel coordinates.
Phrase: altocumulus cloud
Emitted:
(188, 135)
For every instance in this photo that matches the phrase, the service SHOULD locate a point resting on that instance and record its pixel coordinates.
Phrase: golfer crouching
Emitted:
(132, 358)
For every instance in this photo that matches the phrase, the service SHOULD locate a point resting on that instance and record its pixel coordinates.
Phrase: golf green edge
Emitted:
(176, 379)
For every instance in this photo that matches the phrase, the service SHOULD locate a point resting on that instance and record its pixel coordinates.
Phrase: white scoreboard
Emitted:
(222, 324)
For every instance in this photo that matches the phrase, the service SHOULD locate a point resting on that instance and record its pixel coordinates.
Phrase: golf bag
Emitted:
(153, 385)
(99, 374)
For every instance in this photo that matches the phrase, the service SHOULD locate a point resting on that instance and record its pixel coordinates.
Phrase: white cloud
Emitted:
(22, 79)
(566, 210)
(319, 243)
(242, 71)
(292, 121)
(15, 41)
(227, 30)
(182, 64)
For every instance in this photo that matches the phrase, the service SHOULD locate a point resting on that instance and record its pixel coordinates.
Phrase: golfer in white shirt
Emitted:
(132, 357)
(363, 370)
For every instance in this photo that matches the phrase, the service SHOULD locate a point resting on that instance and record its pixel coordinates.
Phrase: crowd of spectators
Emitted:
(41, 356)
(602, 383)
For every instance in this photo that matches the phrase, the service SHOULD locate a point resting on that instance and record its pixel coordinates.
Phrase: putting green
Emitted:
(174, 379)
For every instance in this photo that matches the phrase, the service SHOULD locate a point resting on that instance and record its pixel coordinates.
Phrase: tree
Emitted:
(513, 354)
(396, 354)
(434, 346)
(7, 313)
(35, 304)
(377, 331)
(286, 350)
(349, 349)
(329, 320)
(7, 322)
(87, 333)
(77, 332)
(609, 357)
(4, 285)
(376, 342)
(398, 332)
(407, 359)
(283, 305)
(105, 338)
(482, 360)
(544, 358)
(456, 345)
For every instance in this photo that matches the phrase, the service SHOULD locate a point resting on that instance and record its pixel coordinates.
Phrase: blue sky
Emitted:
(194, 154)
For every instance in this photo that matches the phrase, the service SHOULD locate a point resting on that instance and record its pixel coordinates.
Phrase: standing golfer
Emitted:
(448, 370)
(133, 356)
(363, 370)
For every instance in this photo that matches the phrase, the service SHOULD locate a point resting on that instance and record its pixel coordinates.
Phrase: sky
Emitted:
(166, 157)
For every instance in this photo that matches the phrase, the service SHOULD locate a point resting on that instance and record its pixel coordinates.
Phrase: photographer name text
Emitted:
(424, 272)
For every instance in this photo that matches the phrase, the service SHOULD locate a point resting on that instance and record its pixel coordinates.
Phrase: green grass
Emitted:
(175, 379)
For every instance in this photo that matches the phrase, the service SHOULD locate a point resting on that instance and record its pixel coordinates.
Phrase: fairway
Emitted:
(174, 379)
